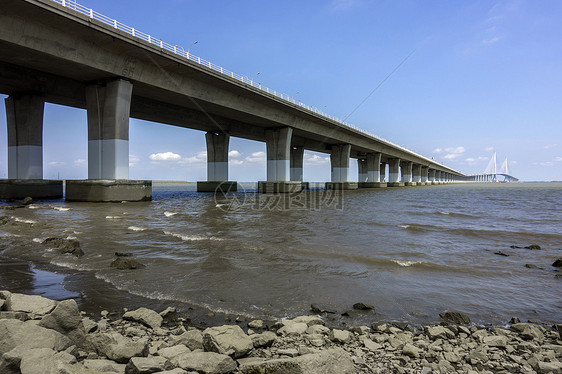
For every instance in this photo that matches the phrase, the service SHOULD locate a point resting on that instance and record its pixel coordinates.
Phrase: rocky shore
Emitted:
(39, 335)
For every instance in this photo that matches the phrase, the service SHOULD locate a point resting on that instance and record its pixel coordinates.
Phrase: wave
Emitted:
(21, 220)
(414, 227)
(37, 240)
(61, 209)
(33, 206)
(112, 217)
(406, 263)
(453, 214)
(170, 214)
(189, 238)
(136, 228)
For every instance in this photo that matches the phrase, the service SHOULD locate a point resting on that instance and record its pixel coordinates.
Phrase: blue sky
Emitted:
(484, 77)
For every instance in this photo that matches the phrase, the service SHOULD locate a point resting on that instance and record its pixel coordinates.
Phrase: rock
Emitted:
(291, 328)
(176, 371)
(126, 263)
(103, 365)
(331, 361)
(22, 316)
(265, 339)
(339, 336)
(533, 246)
(115, 346)
(309, 320)
(371, 345)
(531, 266)
(318, 329)
(193, 339)
(528, 331)
(495, 341)
(557, 263)
(458, 318)
(27, 201)
(67, 320)
(147, 365)
(169, 316)
(64, 245)
(552, 367)
(36, 306)
(514, 320)
(205, 362)
(439, 332)
(45, 360)
(291, 352)
(175, 351)
(320, 309)
(361, 306)
(500, 253)
(228, 340)
(559, 329)
(145, 316)
(123, 254)
(410, 351)
(89, 324)
(14, 333)
(257, 324)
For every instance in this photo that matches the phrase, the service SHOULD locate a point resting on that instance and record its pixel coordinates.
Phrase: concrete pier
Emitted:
(112, 190)
(394, 173)
(406, 169)
(371, 172)
(425, 175)
(416, 174)
(278, 147)
(339, 163)
(24, 115)
(217, 164)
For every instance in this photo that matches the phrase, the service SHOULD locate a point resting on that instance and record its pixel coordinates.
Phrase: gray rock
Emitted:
(175, 351)
(320, 309)
(458, 318)
(22, 316)
(318, 329)
(45, 360)
(67, 320)
(27, 201)
(265, 339)
(495, 341)
(411, 351)
(65, 245)
(309, 320)
(169, 316)
(175, 371)
(146, 316)
(557, 263)
(89, 324)
(257, 324)
(291, 328)
(193, 339)
(104, 366)
(361, 306)
(228, 340)
(14, 333)
(147, 365)
(126, 263)
(331, 361)
(439, 332)
(371, 345)
(291, 352)
(205, 362)
(115, 346)
(36, 306)
(552, 367)
(528, 331)
(339, 336)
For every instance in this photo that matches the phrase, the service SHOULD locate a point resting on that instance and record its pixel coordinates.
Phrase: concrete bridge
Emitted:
(60, 52)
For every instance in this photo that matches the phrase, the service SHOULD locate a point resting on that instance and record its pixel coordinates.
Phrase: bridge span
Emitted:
(60, 52)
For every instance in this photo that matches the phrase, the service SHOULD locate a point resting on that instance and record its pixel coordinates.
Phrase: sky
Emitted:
(452, 80)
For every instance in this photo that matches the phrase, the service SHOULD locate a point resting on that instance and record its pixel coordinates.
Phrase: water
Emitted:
(411, 252)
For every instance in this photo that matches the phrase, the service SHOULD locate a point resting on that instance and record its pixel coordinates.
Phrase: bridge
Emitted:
(57, 51)
(492, 174)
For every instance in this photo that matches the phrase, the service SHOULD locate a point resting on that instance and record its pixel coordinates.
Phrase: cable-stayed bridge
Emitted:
(493, 174)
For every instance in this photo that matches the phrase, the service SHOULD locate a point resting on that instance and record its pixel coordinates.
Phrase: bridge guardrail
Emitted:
(176, 49)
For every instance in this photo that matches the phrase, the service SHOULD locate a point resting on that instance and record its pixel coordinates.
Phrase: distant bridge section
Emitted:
(60, 52)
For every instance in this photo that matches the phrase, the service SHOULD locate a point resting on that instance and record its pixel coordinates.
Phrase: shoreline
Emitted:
(40, 331)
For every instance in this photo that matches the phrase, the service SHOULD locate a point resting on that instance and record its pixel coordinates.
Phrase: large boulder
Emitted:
(331, 361)
(205, 362)
(147, 365)
(458, 318)
(45, 360)
(104, 366)
(528, 331)
(115, 346)
(174, 351)
(126, 263)
(228, 340)
(65, 245)
(439, 332)
(66, 319)
(14, 332)
(264, 339)
(193, 339)
(35, 305)
(146, 316)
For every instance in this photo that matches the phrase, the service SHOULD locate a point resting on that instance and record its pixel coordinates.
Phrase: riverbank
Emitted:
(37, 334)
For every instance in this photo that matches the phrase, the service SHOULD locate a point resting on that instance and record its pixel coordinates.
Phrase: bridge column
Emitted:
(296, 166)
(424, 174)
(108, 108)
(24, 115)
(362, 170)
(416, 174)
(394, 173)
(406, 169)
(383, 173)
(431, 176)
(339, 162)
(217, 165)
(372, 177)
(278, 145)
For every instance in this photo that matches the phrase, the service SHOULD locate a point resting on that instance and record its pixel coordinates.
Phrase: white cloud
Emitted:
(199, 158)
(492, 40)
(234, 154)
(80, 162)
(453, 153)
(235, 162)
(548, 146)
(56, 163)
(470, 160)
(256, 157)
(133, 161)
(558, 159)
(547, 163)
(437, 150)
(311, 159)
(489, 149)
(165, 156)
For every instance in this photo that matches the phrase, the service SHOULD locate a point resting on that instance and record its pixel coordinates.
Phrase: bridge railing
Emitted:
(178, 50)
